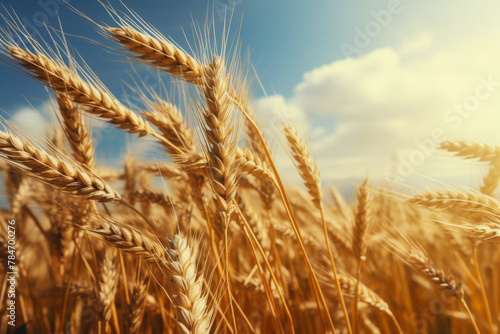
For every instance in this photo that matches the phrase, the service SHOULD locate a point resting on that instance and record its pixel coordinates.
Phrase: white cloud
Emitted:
(31, 120)
(389, 103)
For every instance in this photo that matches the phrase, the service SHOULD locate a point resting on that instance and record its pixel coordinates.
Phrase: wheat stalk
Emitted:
(308, 170)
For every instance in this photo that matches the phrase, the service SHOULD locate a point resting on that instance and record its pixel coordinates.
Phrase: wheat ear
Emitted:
(96, 101)
(151, 196)
(127, 239)
(305, 164)
(364, 294)
(106, 287)
(134, 315)
(491, 180)
(220, 143)
(251, 164)
(362, 221)
(472, 150)
(308, 170)
(157, 52)
(420, 261)
(472, 205)
(77, 133)
(168, 119)
(193, 313)
(54, 171)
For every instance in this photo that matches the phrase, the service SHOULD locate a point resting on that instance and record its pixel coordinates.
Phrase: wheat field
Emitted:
(205, 237)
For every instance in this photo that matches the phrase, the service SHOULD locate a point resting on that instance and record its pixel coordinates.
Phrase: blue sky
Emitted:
(279, 34)
(371, 84)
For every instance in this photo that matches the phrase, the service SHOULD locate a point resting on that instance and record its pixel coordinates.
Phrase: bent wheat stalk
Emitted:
(419, 260)
(288, 208)
(309, 172)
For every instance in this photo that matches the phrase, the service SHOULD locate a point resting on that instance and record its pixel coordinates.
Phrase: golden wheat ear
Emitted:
(78, 134)
(106, 286)
(219, 133)
(471, 205)
(305, 164)
(134, 316)
(188, 296)
(156, 51)
(128, 239)
(472, 150)
(96, 101)
(168, 119)
(54, 171)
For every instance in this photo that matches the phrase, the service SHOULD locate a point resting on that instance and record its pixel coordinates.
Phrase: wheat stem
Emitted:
(481, 286)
